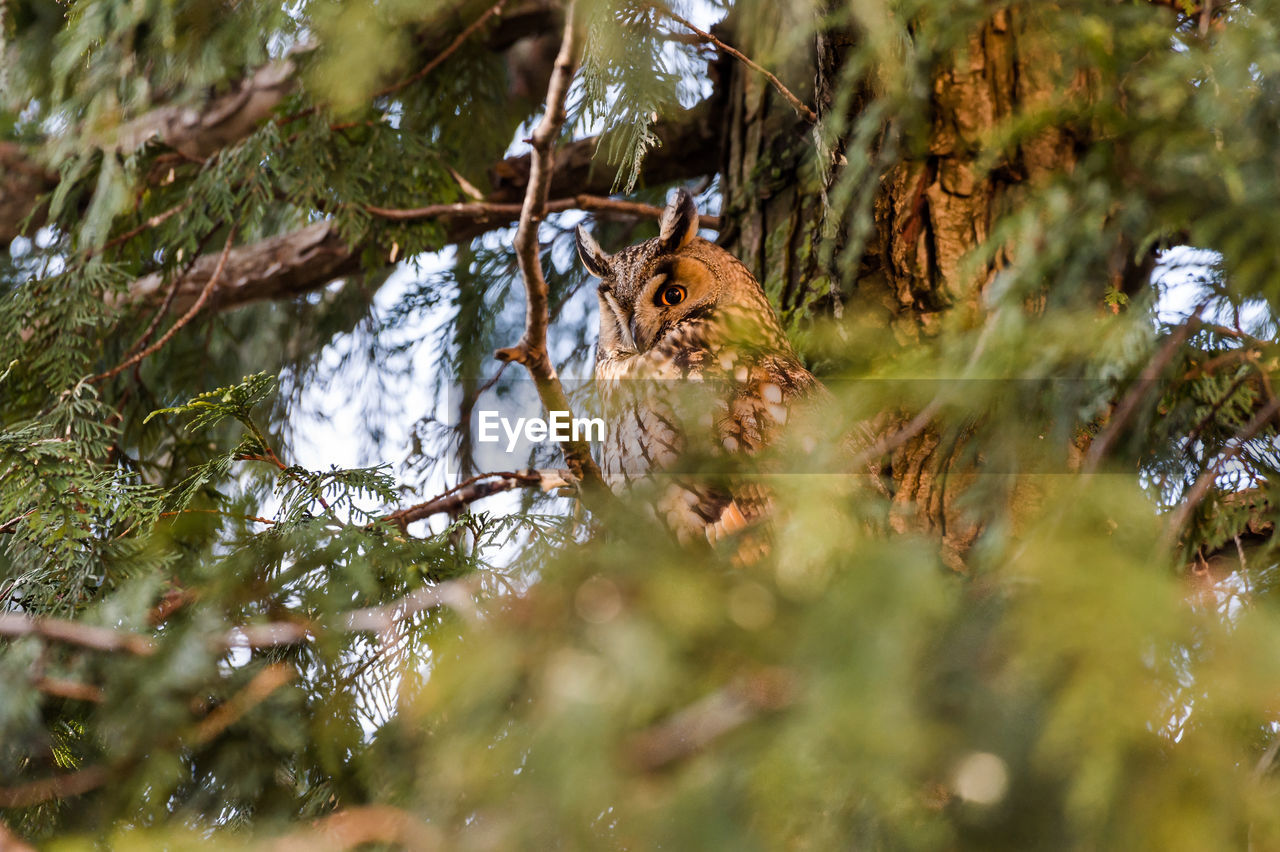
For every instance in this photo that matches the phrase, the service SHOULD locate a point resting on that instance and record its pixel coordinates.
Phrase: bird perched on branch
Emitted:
(693, 371)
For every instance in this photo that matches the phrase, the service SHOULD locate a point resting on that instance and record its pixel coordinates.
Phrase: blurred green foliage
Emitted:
(581, 681)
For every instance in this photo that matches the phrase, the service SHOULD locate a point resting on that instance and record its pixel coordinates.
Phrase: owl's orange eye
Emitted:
(672, 294)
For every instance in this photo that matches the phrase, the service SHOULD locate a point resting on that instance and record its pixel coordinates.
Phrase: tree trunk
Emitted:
(929, 211)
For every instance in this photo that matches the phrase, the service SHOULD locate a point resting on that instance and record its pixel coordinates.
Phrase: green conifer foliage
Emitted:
(1019, 586)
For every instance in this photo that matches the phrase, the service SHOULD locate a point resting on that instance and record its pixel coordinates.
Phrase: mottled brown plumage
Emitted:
(691, 363)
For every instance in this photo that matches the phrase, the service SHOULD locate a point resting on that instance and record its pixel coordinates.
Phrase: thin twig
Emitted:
(1205, 481)
(76, 783)
(1211, 415)
(1206, 15)
(254, 693)
(531, 351)
(482, 210)
(453, 593)
(272, 458)
(182, 321)
(888, 443)
(150, 223)
(1268, 757)
(12, 524)
(235, 515)
(169, 296)
(1150, 373)
(61, 688)
(446, 53)
(492, 381)
(798, 105)
(420, 73)
(465, 493)
(180, 512)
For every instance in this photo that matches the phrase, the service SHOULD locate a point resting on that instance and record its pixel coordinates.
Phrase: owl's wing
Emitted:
(642, 432)
(762, 393)
(745, 401)
(697, 510)
(758, 395)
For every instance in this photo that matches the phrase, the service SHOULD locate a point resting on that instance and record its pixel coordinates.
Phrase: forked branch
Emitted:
(531, 351)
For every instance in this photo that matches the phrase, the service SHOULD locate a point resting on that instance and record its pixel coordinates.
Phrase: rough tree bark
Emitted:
(929, 212)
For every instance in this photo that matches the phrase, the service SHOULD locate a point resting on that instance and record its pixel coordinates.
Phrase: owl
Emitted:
(692, 364)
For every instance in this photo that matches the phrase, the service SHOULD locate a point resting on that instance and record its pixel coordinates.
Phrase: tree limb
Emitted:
(698, 725)
(531, 351)
(276, 268)
(477, 488)
(379, 619)
(58, 787)
(15, 624)
(382, 824)
(265, 682)
(495, 211)
(71, 689)
(198, 132)
(1159, 361)
(452, 593)
(292, 264)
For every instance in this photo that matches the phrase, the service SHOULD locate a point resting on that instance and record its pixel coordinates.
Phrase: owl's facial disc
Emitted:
(677, 289)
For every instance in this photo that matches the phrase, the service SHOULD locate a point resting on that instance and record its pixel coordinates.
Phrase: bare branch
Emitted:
(1150, 373)
(289, 265)
(10, 525)
(58, 787)
(1196, 493)
(76, 783)
(798, 105)
(199, 132)
(276, 268)
(698, 725)
(531, 351)
(482, 210)
(265, 682)
(183, 320)
(477, 488)
(67, 689)
(382, 824)
(152, 222)
(431, 65)
(15, 624)
(448, 51)
(453, 593)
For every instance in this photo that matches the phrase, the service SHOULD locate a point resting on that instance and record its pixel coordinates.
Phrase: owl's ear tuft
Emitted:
(592, 256)
(679, 221)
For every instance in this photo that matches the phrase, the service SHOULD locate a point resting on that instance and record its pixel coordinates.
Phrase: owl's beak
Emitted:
(622, 322)
(634, 333)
